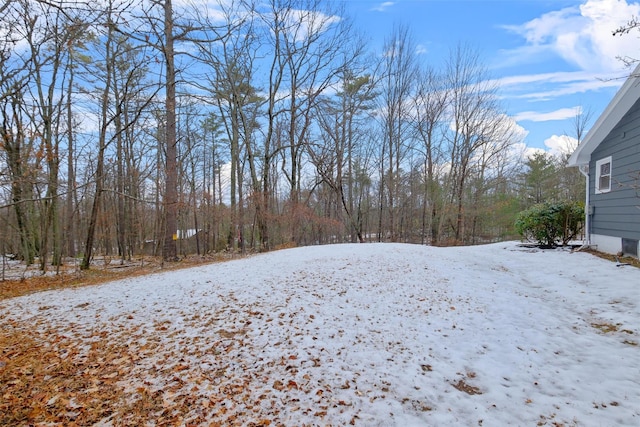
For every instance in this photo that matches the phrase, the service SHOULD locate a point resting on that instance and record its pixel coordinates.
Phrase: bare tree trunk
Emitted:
(70, 229)
(170, 204)
(102, 143)
(400, 72)
(119, 196)
(18, 152)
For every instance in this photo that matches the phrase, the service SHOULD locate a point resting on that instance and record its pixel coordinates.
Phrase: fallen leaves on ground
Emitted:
(376, 341)
(47, 378)
(130, 375)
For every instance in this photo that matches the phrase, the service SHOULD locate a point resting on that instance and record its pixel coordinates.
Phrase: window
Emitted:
(603, 175)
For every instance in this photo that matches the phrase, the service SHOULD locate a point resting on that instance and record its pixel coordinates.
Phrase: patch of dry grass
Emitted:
(635, 262)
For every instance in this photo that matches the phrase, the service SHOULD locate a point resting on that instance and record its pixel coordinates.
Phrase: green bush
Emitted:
(551, 223)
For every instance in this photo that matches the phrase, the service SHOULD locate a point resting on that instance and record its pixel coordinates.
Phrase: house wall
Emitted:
(607, 244)
(617, 213)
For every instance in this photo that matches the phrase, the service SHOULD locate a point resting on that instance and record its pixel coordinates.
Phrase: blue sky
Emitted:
(552, 57)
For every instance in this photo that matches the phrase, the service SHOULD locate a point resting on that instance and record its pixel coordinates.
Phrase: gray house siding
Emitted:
(617, 213)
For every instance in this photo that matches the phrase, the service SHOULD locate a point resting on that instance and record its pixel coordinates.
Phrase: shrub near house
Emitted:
(551, 223)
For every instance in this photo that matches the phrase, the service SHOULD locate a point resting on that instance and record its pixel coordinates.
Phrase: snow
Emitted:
(376, 334)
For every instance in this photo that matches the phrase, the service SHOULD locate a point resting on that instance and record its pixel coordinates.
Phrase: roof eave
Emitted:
(623, 100)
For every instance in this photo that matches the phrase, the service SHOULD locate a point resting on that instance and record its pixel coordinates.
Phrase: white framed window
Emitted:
(603, 175)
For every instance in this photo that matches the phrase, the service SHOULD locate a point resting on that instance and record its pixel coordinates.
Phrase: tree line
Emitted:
(135, 127)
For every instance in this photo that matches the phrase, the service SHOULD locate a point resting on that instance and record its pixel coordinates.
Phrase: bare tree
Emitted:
(43, 30)
(399, 77)
(623, 30)
(16, 144)
(570, 180)
(430, 106)
(163, 32)
(230, 87)
(169, 251)
(475, 121)
(306, 41)
(341, 121)
(19, 150)
(120, 91)
(105, 122)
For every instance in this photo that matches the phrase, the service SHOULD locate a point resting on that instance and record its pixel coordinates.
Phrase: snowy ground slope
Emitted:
(375, 334)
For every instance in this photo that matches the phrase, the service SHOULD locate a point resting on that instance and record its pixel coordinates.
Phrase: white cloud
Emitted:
(522, 151)
(536, 87)
(557, 77)
(302, 24)
(383, 6)
(502, 127)
(560, 146)
(311, 22)
(560, 114)
(570, 89)
(517, 151)
(211, 10)
(556, 146)
(582, 35)
(514, 131)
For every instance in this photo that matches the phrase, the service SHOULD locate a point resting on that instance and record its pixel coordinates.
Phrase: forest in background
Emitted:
(136, 127)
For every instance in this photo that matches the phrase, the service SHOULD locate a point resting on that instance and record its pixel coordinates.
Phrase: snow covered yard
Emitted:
(369, 334)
